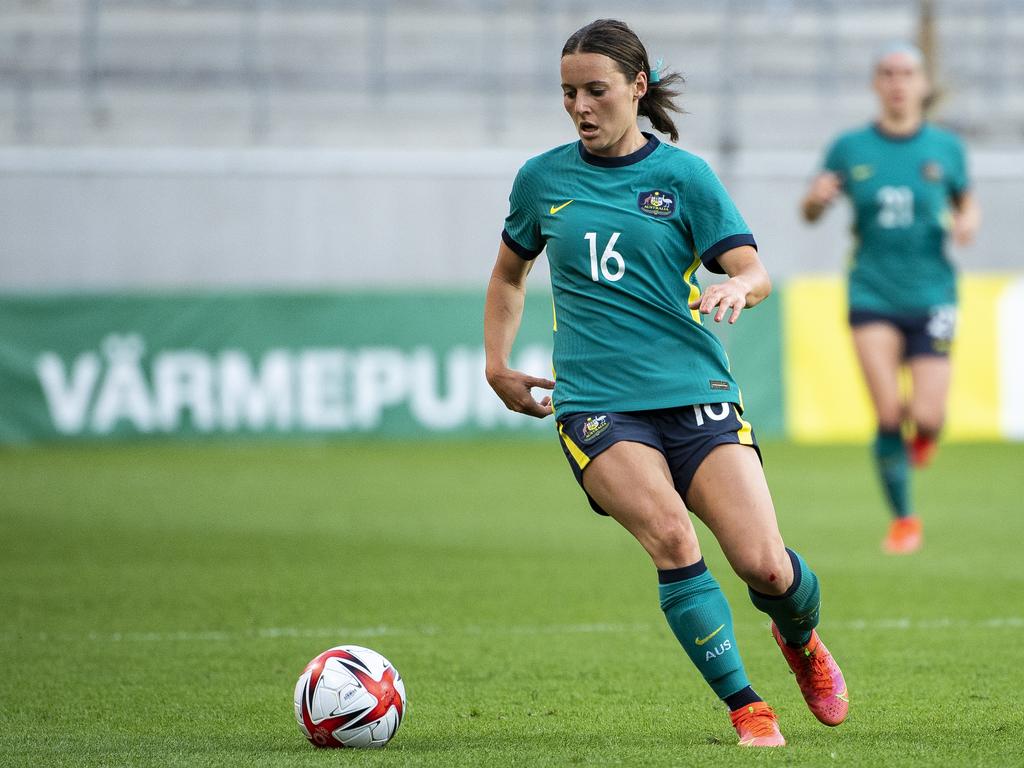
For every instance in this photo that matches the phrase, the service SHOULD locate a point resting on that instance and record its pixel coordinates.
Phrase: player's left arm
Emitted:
(747, 286)
(966, 218)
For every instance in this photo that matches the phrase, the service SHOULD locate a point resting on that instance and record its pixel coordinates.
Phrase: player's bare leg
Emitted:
(633, 484)
(879, 349)
(930, 376)
(730, 494)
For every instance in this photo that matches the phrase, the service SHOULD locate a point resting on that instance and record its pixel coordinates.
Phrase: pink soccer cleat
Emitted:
(757, 726)
(819, 677)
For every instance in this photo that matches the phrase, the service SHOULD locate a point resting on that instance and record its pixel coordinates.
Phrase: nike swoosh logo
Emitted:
(556, 208)
(702, 640)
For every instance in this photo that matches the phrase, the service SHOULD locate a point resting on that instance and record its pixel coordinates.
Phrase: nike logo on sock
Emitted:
(702, 640)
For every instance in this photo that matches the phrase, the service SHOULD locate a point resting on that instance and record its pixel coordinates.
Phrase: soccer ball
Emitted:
(349, 696)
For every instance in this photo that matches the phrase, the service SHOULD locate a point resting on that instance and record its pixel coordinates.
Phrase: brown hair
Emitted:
(619, 43)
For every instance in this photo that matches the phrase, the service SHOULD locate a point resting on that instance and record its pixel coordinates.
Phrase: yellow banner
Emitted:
(825, 396)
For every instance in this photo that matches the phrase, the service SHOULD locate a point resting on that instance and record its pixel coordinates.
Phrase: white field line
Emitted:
(349, 634)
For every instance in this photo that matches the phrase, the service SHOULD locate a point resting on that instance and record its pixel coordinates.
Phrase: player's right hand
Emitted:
(825, 188)
(514, 389)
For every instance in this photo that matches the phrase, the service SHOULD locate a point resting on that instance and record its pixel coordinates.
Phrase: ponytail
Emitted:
(659, 101)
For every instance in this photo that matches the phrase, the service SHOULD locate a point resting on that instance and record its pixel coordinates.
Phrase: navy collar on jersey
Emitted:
(900, 137)
(618, 162)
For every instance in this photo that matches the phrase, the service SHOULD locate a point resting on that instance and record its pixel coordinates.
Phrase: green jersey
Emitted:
(624, 239)
(900, 189)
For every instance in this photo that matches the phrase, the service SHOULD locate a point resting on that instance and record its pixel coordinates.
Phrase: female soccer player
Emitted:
(648, 414)
(907, 182)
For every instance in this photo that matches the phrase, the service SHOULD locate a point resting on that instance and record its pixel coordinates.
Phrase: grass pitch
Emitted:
(159, 601)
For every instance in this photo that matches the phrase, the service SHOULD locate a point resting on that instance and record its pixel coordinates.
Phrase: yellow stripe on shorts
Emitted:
(745, 432)
(579, 456)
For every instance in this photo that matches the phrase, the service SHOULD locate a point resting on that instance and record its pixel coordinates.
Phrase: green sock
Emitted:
(699, 616)
(795, 613)
(894, 470)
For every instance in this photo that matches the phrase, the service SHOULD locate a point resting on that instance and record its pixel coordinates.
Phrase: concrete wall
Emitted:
(157, 219)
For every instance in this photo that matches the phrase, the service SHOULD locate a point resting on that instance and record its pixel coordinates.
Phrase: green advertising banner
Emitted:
(77, 367)
(754, 346)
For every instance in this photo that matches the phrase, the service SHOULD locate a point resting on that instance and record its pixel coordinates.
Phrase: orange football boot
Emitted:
(906, 534)
(757, 726)
(819, 677)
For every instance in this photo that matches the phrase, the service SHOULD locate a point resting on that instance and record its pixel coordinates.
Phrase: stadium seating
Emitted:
(357, 73)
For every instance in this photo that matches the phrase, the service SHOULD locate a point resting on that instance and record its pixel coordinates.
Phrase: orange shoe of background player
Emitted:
(906, 534)
(757, 726)
(921, 450)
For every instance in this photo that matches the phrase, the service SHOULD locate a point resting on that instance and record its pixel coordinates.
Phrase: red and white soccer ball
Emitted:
(349, 696)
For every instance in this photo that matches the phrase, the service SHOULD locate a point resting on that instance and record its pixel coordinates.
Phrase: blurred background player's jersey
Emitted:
(624, 239)
(900, 188)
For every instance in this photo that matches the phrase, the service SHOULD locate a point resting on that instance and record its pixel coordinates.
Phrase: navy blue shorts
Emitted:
(684, 435)
(930, 333)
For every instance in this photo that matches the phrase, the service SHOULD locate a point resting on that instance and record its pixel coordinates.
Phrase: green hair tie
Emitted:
(656, 72)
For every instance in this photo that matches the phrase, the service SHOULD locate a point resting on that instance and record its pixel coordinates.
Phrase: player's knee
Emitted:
(670, 542)
(766, 570)
(929, 425)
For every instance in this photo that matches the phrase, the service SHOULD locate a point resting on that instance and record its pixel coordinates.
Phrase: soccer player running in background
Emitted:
(649, 416)
(907, 182)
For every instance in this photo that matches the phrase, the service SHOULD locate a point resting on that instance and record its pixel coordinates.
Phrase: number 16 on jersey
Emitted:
(609, 258)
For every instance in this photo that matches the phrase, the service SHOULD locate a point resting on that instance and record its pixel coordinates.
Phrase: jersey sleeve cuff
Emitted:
(521, 251)
(710, 257)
